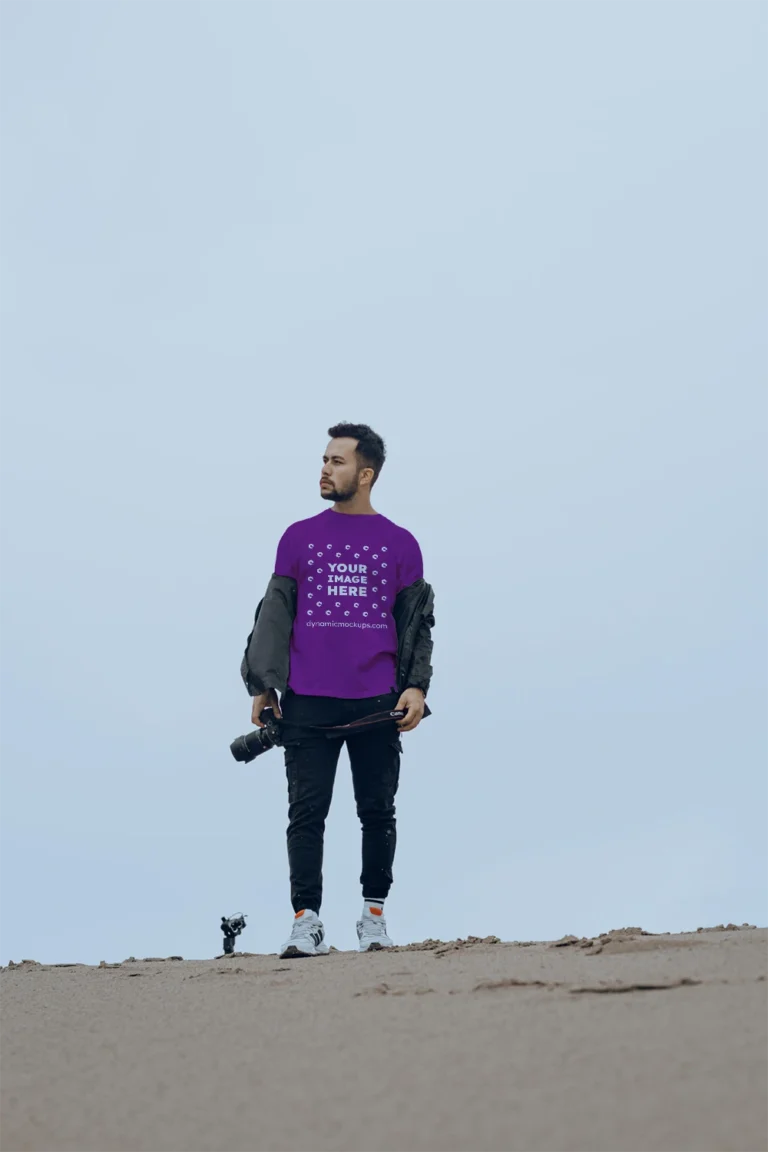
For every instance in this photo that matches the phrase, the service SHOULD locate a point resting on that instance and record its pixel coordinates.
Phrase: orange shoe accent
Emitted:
(299, 913)
(376, 911)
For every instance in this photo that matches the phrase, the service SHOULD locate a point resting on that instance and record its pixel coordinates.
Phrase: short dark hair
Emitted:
(371, 450)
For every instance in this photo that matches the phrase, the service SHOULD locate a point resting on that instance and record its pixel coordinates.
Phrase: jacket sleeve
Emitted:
(420, 671)
(266, 661)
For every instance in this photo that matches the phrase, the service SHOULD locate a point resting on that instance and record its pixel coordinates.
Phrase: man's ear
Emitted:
(366, 476)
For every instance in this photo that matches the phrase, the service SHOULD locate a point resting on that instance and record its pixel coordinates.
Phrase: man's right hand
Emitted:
(267, 699)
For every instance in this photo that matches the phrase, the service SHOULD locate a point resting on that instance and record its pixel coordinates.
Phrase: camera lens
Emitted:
(248, 747)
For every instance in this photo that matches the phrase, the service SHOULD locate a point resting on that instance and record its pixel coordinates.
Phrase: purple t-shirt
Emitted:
(348, 570)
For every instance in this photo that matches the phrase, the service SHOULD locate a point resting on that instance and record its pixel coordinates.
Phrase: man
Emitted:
(343, 633)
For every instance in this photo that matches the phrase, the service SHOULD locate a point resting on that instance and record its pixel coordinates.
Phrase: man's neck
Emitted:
(357, 506)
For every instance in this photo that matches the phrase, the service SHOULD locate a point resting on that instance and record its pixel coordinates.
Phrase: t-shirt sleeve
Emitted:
(411, 566)
(286, 561)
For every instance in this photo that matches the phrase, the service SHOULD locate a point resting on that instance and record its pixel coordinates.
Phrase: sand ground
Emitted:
(628, 1043)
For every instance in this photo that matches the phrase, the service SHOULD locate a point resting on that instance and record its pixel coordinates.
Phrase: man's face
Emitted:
(340, 477)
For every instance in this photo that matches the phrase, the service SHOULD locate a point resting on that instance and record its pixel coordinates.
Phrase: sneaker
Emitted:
(307, 937)
(372, 932)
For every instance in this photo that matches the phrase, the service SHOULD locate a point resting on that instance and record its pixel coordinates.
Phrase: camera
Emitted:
(248, 747)
(231, 926)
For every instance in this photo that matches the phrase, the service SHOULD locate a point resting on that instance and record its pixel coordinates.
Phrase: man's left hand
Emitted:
(412, 703)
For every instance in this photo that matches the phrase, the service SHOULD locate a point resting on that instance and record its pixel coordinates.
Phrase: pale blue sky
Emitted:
(527, 243)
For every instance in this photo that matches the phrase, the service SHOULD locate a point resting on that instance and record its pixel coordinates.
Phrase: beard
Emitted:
(340, 495)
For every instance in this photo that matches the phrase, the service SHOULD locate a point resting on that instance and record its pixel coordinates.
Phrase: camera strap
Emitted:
(372, 721)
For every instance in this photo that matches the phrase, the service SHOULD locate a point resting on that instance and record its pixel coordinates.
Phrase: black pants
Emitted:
(310, 762)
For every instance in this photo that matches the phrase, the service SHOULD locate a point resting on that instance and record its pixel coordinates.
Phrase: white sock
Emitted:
(374, 907)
